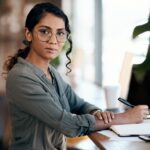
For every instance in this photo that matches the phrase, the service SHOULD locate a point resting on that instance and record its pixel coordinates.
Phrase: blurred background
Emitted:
(103, 49)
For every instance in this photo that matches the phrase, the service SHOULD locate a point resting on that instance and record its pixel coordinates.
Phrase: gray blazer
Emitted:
(41, 115)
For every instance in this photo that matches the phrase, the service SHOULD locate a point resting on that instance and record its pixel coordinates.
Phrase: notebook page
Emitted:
(132, 129)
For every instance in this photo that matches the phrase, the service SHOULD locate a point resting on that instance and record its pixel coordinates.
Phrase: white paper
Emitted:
(114, 136)
(132, 129)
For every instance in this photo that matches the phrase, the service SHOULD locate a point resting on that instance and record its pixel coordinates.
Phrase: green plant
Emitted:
(141, 69)
(141, 28)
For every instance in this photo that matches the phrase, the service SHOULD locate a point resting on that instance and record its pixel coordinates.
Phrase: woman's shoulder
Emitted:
(24, 69)
(19, 69)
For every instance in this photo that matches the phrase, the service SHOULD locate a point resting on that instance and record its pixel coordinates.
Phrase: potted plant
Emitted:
(139, 88)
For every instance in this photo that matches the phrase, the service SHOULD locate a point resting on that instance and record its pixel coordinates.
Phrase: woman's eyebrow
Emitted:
(44, 26)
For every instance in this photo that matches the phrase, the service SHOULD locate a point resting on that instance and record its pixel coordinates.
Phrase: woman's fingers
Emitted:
(137, 114)
(106, 116)
(112, 115)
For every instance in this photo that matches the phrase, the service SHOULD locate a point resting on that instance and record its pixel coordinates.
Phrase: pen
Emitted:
(125, 102)
(130, 105)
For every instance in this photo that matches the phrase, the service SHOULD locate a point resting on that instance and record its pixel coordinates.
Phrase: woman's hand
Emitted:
(137, 114)
(106, 116)
(133, 115)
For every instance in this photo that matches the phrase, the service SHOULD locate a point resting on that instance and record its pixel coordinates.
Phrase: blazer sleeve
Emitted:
(77, 104)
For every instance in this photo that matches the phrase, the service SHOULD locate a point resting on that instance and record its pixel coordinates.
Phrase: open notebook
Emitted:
(132, 129)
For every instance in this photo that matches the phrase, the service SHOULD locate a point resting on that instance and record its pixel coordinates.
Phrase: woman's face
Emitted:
(47, 38)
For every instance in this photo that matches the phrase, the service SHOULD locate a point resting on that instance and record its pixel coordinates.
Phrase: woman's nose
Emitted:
(53, 39)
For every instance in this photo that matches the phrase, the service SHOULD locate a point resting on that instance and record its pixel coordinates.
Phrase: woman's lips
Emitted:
(51, 50)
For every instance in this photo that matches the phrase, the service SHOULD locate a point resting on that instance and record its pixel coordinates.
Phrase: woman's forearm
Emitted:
(119, 119)
(134, 115)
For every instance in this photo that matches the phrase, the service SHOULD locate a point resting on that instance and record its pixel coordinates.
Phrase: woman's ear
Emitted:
(28, 35)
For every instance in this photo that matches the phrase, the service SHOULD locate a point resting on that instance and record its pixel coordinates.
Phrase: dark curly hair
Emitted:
(34, 17)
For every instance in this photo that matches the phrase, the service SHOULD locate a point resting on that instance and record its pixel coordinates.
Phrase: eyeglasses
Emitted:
(44, 35)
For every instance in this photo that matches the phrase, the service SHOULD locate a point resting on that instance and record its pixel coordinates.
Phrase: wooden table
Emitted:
(104, 142)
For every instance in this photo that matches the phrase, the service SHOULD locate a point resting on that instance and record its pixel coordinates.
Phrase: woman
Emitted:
(43, 107)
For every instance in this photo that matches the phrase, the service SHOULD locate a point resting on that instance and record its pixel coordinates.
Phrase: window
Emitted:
(119, 19)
